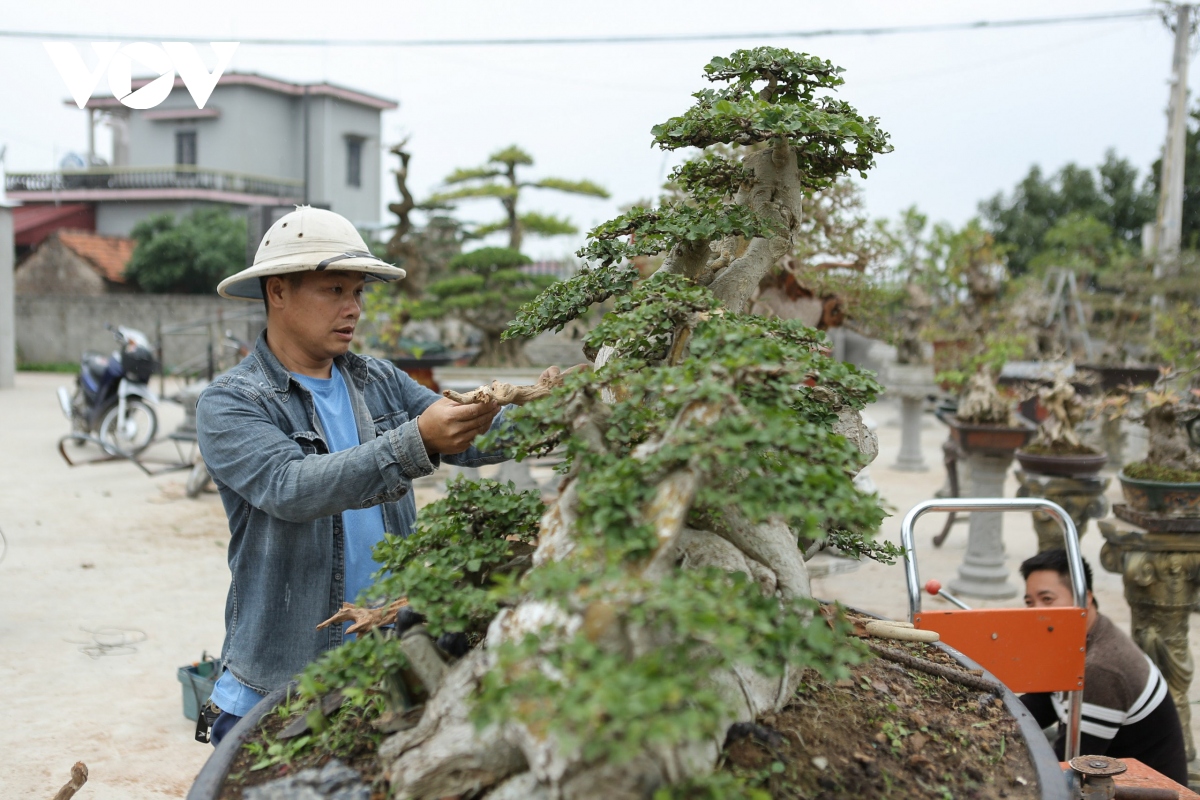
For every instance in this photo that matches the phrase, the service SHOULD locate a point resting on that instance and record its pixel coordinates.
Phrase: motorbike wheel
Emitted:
(131, 435)
(197, 479)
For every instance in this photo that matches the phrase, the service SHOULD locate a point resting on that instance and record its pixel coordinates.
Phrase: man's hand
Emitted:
(448, 428)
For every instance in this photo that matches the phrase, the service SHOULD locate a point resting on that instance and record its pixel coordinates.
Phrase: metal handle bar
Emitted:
(1070, 538)
(1074, 561)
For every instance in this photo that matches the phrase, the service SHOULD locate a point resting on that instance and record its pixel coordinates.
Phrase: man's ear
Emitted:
(276, 290)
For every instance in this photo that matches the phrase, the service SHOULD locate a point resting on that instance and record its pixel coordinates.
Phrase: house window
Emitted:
(185, 147)
(354, 148)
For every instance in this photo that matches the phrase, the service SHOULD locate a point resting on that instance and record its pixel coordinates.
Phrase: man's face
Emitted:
(1046, 588)
(320, 312)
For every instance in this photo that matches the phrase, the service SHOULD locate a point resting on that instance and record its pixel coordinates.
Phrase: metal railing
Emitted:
(179, 176)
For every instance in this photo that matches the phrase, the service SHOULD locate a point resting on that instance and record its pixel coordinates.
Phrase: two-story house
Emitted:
(259, 146)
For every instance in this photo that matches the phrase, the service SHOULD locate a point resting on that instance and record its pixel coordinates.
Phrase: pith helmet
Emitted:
(303, 240)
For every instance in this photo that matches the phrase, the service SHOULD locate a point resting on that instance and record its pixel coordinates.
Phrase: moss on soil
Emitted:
(1142, 471)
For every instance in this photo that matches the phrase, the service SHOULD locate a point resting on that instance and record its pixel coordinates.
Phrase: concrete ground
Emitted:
(103, 556)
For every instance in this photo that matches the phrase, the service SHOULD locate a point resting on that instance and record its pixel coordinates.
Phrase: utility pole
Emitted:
(8, 322)
(1169, 222)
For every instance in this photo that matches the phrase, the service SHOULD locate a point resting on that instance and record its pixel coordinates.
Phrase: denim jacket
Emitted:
(284, 492)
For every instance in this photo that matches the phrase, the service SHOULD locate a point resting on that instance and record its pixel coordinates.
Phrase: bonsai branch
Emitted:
(365, 619)
(79, 776)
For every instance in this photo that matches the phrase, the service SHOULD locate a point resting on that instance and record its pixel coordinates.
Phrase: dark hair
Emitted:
(1056, 561)
(293, 277)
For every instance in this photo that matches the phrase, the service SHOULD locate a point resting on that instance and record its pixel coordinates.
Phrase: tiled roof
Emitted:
(107, 254)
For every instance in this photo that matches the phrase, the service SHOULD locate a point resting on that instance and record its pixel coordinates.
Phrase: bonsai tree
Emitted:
(1056, 433)
(667, 597)
(485, 287)
(498, 179)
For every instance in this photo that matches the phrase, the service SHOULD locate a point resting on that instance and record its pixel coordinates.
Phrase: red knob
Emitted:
(933, 587)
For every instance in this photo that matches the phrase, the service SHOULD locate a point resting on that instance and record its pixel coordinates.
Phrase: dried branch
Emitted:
(365, 619)
(505, 393)
(79, 776)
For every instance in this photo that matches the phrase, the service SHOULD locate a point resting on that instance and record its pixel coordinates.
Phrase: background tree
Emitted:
(498, 179)
(1020, 222)
(485, 287)
(189, 255)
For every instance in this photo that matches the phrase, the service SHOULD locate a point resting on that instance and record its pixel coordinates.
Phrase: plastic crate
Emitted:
(198, 681)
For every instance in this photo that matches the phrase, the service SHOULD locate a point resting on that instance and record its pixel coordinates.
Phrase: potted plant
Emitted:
(1057, 449)
(1167, 481)
(985, 421)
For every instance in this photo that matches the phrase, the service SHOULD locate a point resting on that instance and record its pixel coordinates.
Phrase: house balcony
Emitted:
(177, 182)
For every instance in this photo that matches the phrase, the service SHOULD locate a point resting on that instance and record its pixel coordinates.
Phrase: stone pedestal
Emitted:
(1161, 572)
(1082, 497)
(911, 459)
(912, 383)
(983, 572)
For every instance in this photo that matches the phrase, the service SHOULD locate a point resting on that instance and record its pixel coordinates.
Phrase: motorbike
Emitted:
(113, 404)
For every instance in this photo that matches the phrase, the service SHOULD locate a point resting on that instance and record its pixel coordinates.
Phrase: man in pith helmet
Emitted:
(313, 450)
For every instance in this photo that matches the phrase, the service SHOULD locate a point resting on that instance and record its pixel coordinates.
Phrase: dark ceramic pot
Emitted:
(1161, 497)
(990, 439)
(1052, 784)
(209, 782)
(1066, 466)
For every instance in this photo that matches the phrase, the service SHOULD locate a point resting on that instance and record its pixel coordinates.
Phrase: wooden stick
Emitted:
(940, 670)
(79, 776)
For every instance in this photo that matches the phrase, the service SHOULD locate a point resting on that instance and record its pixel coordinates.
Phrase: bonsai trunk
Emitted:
(1169, 446)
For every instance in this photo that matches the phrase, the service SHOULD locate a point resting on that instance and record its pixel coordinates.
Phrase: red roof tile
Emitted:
(107, 254)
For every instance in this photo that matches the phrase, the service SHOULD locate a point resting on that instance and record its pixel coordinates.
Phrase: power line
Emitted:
(814, 33)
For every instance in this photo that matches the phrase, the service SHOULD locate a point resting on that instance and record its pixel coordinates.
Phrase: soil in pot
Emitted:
(887, 731)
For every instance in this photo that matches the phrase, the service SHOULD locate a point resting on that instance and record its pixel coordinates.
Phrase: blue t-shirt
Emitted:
(362, 527)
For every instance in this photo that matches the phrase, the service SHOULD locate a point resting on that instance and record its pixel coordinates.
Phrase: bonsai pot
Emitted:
(1051, 783)
(1082, 464)
(1161, 497)
(989, 439)
(211, 780)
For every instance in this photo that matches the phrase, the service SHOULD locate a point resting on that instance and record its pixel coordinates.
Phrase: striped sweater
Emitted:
(1127, 710)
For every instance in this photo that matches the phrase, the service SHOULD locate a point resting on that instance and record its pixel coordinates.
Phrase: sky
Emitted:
(968, 111)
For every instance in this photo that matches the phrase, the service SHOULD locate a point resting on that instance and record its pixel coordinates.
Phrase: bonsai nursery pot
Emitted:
(1161, 497)
(989, 439)
(1052, 784)
(1064, 465)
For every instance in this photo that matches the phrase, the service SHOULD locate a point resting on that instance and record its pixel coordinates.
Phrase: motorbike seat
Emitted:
(95, 365)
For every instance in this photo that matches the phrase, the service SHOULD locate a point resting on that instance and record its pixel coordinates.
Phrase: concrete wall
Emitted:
(331, 122)
(59, 328)
(53, 266)
(118, 219)
(259, 132)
